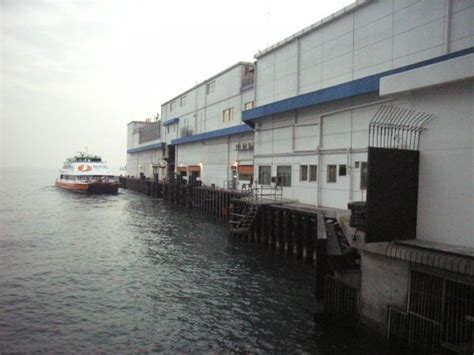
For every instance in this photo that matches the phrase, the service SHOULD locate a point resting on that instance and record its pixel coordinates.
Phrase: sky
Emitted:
(74, 73)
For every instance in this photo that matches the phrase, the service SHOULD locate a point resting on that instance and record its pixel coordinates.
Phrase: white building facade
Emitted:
(317, 91)
(205, 128)
(316, 94)
(145, 149)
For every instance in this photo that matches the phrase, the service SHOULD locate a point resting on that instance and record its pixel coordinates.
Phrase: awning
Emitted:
(436, 255)
(181, 169)
(246, 169)
(194, 168)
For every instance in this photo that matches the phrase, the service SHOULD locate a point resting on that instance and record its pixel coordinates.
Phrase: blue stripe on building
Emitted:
(338, 92)
(171, 121)
(147, 147)
(212, 134)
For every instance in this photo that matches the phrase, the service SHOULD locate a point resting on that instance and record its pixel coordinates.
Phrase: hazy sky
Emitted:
(74, 73)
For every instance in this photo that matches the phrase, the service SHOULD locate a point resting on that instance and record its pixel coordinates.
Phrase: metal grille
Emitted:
(340, 300)
(397, 127)
(420, 334)
(440, 316)
(459, 316)
(426, 296)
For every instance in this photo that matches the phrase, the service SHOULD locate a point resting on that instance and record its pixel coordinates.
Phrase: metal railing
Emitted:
(397, 127)
(268, 192)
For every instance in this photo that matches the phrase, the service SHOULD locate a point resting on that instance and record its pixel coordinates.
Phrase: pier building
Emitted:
(364, 120)
(374, 103)
(203, 129)
(145, 149)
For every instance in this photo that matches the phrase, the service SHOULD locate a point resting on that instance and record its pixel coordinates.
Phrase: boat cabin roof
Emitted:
(85, 158)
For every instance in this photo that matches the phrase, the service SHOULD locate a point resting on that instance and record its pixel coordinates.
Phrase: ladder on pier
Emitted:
(242, 221)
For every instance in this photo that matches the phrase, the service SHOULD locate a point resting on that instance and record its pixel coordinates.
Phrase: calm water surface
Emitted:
(130, 273)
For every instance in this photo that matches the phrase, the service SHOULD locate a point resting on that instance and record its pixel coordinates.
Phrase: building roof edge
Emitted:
(315, 26)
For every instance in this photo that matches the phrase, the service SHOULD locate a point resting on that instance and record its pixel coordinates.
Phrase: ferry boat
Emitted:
(88, 174)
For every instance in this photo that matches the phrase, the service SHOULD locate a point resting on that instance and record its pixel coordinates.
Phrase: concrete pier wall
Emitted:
(384, 283)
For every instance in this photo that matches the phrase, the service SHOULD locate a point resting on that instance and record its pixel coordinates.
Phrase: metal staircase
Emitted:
(242, 221)
(246, 208)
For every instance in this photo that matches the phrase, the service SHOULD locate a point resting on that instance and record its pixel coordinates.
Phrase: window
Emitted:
(284, 175)
(172, 104)
(363, 175)
(342, 170)
(264, 175)
(182, 101)
(167, 129)
(245, 177)
(357, 164)
(303, 172)
(228, 115)
(332, 170)
(249, 105)
(313, 173)
(210, 87)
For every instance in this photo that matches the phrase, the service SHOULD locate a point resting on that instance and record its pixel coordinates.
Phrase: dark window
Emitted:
(357, 164)
(303, 172)
(313, 173)
(210, 87)
(264, 175)
(363, 175)
(332, 171)
(284, 175)
(245, 177)
(342, 170)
